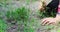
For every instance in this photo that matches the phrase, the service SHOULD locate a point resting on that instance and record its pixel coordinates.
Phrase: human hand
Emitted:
(48, 21)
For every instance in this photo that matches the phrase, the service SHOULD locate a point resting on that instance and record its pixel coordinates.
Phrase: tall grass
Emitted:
(19, 16)
(3, 26)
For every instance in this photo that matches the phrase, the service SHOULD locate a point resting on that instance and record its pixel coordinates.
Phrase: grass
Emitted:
(29, 1)
(31, 26)
(21, 16)
(18, 15)
(3, 26)
(47, 13)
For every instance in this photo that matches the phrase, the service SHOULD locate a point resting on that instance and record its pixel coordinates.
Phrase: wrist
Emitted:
(57, 19)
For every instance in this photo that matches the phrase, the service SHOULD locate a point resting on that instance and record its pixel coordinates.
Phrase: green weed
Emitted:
(3, 26)
(18, 14)
(47, 13)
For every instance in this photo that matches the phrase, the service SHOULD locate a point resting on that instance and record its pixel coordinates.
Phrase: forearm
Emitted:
(57, 17)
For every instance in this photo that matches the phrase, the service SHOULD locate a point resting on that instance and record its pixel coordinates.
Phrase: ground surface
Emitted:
(34, 6)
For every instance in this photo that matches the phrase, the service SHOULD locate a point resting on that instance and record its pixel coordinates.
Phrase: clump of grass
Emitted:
(18, 14)
(21, 17)
(3, 26)
(47, 13)
(31, 26)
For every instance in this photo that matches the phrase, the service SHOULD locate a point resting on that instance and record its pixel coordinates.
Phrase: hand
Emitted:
(47, 21)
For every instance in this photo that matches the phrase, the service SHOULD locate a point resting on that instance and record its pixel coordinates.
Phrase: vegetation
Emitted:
(47, 13)
(3, 26)
(21, 17)
(29, 1)
(19, 14)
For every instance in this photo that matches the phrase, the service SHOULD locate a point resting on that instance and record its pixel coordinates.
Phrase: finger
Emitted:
(45, 22)
(51, 23)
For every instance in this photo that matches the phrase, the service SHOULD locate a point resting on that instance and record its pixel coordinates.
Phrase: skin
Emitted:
(50, 20)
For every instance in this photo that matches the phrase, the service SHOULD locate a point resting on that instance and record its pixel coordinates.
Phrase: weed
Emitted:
(47, 13)
(18, 15)
(3, 25)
